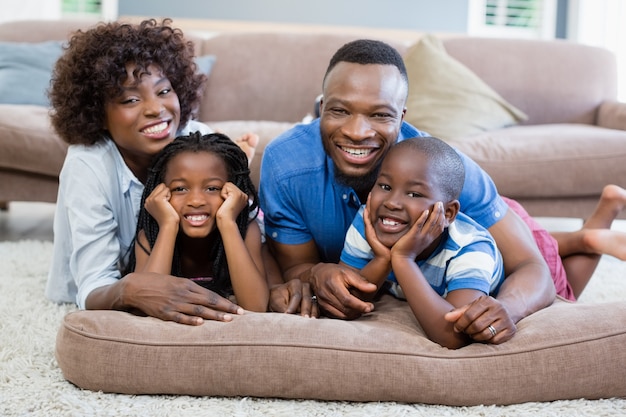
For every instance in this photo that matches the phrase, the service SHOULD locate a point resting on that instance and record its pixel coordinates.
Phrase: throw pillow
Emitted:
(446, 99)
(205, 63)
(25, 70)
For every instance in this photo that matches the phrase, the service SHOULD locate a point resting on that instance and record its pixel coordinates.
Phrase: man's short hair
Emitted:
(368, 51)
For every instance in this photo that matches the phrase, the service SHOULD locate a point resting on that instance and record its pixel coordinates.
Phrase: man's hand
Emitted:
(484, 320)
(173, 299)
(333, 284)
(294, 297)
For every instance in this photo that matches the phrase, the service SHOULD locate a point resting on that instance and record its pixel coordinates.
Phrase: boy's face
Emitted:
(405, 187)
(144, 118)
(195, 181)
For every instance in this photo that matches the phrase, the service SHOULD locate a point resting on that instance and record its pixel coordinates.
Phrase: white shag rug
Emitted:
(31, 384)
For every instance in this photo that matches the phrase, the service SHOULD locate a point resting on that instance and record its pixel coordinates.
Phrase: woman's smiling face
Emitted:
(144, 118)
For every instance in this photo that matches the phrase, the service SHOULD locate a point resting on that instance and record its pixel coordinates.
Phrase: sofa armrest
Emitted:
(612, 115)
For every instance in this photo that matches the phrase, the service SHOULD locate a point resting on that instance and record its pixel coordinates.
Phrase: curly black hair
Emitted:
(92, 70)
(236, 163)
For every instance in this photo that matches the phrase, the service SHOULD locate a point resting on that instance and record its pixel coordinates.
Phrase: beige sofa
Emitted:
(265, 78)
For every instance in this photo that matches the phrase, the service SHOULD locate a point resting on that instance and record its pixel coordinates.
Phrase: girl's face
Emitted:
(143, 119)
(195, 181)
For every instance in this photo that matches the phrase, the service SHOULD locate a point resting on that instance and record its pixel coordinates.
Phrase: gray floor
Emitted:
(27, 221)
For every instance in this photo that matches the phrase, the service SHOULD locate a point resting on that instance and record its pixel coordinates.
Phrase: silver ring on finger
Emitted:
(314, 298)
(492, 330)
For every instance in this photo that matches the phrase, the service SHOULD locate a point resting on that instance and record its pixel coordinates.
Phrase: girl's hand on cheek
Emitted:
(159, 207)
(234, 201)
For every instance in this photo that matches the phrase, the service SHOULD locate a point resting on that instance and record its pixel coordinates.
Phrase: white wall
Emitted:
(424, 15)
(601, 23)
(30, 9)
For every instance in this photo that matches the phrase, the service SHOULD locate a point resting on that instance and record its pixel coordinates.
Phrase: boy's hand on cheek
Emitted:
(426, 229)
(380, 250)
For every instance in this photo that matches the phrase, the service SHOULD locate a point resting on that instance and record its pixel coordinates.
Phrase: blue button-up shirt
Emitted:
(302, 201)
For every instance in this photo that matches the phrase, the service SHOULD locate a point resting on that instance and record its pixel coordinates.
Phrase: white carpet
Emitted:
(31, 384)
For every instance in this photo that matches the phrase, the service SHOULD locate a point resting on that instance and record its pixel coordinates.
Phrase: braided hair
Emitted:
(236, 163)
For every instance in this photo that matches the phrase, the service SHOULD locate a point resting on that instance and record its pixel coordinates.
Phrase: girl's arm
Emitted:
(159, 258)
(245, 262)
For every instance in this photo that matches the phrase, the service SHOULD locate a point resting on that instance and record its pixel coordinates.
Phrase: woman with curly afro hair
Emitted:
(119, 94)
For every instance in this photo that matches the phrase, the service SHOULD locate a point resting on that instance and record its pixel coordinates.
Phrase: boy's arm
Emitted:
(429, 307)
(528, 286)
(378, 268)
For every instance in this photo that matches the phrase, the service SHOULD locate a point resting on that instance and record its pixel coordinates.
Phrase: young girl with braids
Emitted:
(119, 94)
(197, 219)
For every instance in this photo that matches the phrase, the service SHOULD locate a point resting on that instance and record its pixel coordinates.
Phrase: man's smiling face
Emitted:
(361, 114)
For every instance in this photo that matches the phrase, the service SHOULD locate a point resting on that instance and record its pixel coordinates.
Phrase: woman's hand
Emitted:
(176, 299)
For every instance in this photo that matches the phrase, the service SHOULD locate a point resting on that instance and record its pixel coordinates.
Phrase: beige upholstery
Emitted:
(555, 164)
(565, 351)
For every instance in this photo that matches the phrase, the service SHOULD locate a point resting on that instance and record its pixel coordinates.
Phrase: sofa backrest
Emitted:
(276, 76)
(267, 76)
(551, 81)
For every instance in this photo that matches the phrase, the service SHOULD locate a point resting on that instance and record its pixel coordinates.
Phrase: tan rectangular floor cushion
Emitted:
(565, 351)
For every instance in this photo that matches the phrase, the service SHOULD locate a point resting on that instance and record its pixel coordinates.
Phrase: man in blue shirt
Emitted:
(315, 177)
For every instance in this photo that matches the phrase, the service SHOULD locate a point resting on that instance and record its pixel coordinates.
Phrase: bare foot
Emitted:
(612, 202)
(248, 143)
(605, 242)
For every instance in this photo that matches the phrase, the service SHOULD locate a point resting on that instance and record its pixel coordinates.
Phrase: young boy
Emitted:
(412, 237)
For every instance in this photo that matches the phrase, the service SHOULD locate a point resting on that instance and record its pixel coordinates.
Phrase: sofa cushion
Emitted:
(448, 100)
(565, 351)
(28, 142)
(523, 160)
(266, 130)
(25, 71)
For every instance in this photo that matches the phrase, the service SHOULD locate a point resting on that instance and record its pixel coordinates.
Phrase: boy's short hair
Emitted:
(444, 160)
(92, 69)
